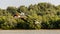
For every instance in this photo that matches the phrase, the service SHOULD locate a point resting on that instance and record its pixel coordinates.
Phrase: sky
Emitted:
(16, 3)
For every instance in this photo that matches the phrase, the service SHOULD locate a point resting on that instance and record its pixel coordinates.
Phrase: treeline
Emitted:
(38, 16)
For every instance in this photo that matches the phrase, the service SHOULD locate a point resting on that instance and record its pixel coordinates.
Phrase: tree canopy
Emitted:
(38, 16)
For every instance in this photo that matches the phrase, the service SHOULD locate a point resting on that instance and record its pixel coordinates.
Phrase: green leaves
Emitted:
(38, 16)
(7, 22)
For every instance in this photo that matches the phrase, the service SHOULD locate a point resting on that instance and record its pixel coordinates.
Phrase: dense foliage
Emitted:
(38, 16)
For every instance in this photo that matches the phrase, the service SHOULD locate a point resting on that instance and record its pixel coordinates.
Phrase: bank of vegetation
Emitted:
(38, 16)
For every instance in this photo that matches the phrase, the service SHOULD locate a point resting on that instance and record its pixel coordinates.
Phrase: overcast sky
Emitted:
(5, 3)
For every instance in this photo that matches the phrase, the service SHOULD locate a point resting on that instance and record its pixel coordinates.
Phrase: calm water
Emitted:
(29, 31)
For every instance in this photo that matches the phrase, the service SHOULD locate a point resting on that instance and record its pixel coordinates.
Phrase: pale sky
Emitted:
(5, 3)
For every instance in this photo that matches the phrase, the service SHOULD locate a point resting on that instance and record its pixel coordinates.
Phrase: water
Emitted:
(29, 31)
